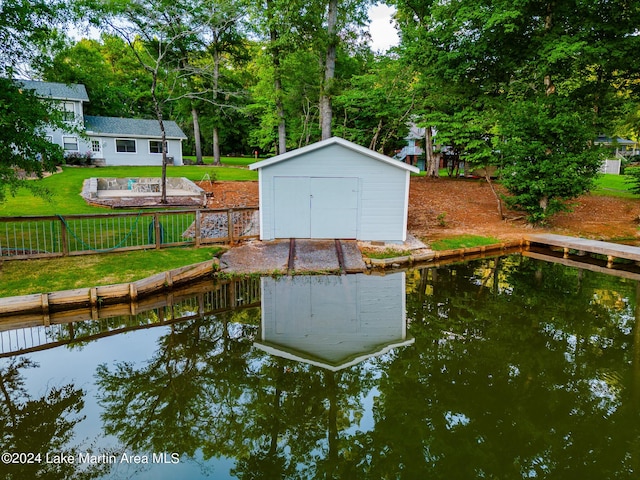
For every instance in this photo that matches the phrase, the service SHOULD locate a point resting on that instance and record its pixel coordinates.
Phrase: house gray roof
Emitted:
(130, 127)
(610, 141)
(56, 91)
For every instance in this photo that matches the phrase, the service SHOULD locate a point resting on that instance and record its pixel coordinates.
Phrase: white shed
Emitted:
(334, 189)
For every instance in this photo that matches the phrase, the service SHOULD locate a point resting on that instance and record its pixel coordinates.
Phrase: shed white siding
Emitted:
(336, 190)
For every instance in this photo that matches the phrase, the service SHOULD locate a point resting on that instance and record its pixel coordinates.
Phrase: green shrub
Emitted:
(78, 158)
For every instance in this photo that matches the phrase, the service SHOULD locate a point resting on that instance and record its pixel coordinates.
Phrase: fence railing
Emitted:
(66, 235)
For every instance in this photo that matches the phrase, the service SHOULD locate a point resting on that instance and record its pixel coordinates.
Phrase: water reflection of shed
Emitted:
(333, 321)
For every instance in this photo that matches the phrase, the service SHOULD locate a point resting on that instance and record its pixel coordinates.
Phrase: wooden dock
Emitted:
(583, 246)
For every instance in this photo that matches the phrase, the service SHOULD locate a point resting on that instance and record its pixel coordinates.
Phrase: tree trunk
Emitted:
(374, 140)
(163, 198)
(282, 128)
(277, 81)
(216, 146)
(326, 93)
(431, 159)
(196, 135)
(216, 78)
(163, 135)
(487, 177)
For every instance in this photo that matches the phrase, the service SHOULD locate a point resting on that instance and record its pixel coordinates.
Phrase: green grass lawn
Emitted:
(613, 186)
(66, 187)
(463, 241)
(226, 161)
(23, 277)
(36, 276)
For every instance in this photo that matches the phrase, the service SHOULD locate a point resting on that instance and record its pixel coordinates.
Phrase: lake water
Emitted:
(498, 368)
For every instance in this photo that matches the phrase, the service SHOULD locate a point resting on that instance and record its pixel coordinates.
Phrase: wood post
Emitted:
(93, 300)
(230, 226)
(198, 233)
(44, 298)
(64, 247)
(156, 225)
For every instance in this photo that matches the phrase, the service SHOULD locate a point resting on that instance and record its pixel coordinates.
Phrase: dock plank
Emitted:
(584, 266)
(584, 244)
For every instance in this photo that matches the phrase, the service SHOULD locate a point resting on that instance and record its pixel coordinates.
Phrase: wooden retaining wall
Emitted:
(99, 297)
(444, 255)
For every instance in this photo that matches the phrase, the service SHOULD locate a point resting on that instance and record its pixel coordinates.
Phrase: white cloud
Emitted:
(383, 33)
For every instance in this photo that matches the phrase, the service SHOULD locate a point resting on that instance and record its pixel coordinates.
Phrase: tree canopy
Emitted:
(525, 87)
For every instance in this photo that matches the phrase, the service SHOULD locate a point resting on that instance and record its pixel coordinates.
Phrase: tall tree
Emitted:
(340, 19)
(155, 31)
(24, 150)
(375, 105)
(326, 111)
(560, 63)
(112, 75)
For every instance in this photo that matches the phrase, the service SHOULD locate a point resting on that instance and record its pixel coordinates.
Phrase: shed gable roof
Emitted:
(334, 141)
(131, 127)
(56, 91)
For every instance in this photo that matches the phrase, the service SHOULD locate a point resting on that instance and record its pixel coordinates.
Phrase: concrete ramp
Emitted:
(294, 256)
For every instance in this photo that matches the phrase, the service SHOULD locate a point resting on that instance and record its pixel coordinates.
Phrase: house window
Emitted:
(125, 146)
(96, 146)
(70, 143)
(68, 112)
(155, 146)
(49, 138)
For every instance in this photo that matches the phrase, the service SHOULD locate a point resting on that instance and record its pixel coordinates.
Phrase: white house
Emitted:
(334, 189)
(111, 140)
(333, 322)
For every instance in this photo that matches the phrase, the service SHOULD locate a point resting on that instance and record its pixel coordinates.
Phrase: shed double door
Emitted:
(315, 207)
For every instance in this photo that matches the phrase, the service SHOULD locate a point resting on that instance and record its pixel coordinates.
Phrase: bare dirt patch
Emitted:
(469, 207)
(230, 194)
(447, 207)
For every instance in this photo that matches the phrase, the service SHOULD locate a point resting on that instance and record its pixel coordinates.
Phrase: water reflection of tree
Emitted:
(504, 386)
(41, 425)
(185, 393)
(207, 390)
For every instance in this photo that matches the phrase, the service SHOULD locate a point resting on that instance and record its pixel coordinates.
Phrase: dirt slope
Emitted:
(446, 207)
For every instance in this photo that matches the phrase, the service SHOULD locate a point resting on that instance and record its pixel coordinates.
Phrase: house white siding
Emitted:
(142, 155)
(334, 191)
(103, 132)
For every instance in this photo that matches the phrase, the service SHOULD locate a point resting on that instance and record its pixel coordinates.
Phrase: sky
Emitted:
(383, 34)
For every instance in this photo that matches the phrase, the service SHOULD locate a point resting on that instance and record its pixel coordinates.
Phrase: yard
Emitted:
(65, 187)
(438, 209)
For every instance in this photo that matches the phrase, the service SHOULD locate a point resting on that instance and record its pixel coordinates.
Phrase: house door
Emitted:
(316, 207)
(96, 147)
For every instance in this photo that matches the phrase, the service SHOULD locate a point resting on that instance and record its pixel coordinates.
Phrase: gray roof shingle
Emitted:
(131, 127)
(56, 91)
